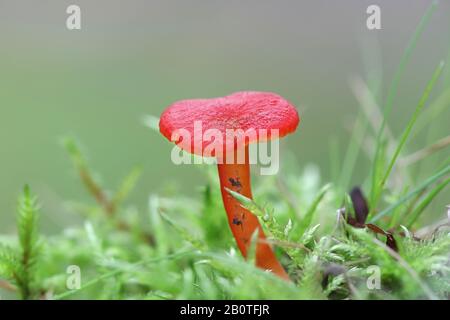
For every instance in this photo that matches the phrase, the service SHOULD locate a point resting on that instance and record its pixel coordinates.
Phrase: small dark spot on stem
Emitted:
(236, 221)
(235, 182)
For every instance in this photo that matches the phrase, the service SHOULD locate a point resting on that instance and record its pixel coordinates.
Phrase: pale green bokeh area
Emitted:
(133, 58)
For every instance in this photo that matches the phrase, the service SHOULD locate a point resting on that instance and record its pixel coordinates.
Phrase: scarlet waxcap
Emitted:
(246, 110)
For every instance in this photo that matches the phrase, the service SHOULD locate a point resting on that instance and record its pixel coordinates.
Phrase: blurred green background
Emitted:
(133, 58)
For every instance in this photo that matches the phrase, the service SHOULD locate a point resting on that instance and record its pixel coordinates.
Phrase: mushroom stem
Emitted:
(242, 222)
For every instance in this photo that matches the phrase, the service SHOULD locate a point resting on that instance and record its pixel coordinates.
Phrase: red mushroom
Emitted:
(268, 116)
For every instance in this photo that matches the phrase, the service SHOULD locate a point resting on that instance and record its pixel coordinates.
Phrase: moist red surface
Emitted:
(241, 110)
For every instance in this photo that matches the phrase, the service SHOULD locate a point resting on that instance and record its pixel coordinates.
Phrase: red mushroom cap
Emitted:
(247, 110)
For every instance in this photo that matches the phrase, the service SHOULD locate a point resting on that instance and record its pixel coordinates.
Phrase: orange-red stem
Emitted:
(242, 222)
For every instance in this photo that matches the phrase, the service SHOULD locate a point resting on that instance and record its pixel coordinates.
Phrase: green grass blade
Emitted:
(408, 129)
(308, 218)
(414, 192)
(425, 202)
(353, 149)
(405, 58)
(393, 88)
(433, 111)
(247, 203)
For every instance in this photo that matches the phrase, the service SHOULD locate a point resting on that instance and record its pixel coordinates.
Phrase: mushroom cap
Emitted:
(246, 110)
